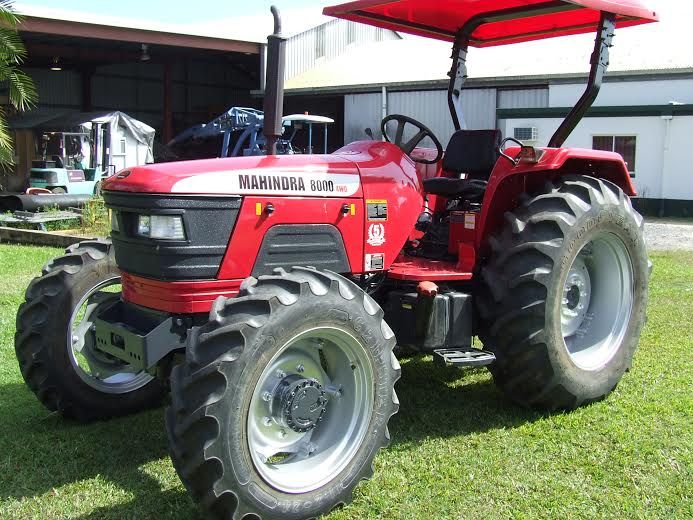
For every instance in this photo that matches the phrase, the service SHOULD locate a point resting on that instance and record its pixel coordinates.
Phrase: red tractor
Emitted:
(267, 294)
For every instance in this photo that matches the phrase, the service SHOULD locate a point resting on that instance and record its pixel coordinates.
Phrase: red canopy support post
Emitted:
(458, 77)
(600, 63)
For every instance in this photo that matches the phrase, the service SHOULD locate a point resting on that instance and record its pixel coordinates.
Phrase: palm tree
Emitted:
(21, 90)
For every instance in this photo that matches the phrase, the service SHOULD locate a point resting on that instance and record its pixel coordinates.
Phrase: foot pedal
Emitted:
(463, 357)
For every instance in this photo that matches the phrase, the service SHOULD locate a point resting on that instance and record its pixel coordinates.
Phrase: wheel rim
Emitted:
(597, 301)
(298, 444)
(97, 369)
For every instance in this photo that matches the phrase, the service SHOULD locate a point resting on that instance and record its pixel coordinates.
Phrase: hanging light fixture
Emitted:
(145, 53)
(55, 64)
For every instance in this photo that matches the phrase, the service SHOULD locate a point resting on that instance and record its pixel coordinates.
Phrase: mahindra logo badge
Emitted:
(123, 175)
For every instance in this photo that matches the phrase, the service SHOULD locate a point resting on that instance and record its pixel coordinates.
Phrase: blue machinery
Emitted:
(251, 141)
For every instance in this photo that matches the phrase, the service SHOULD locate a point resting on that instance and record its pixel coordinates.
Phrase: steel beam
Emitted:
(128, 34)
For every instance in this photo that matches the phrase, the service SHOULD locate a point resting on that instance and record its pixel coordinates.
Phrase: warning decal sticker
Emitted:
(376, 235)
(376, 210)
(375, 262)
(469, 221)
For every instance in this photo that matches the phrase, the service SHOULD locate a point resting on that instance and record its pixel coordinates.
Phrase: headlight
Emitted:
(114, 221)
(166, 227)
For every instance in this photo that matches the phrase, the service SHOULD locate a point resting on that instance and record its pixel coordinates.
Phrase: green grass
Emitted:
(459, 450)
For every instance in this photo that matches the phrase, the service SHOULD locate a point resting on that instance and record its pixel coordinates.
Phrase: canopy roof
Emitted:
(306, 118)
(492, 22)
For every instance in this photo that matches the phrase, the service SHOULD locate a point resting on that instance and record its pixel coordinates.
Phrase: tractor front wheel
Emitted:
(565, 294)
(55, 342)
(284, 398)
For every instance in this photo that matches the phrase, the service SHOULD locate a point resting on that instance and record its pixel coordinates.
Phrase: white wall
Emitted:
(678, 169)
(626, 93)
(662, 170)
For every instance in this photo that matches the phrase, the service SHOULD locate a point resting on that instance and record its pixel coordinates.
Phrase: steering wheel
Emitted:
(408, 147)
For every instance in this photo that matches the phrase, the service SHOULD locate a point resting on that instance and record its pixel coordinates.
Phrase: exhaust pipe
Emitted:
(274, 85)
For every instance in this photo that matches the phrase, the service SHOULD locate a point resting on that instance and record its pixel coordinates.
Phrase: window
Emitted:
(320, 41)
(621, 144)
(123, 146)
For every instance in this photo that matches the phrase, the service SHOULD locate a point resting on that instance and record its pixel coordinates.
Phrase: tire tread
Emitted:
(523, 255)
(196, 456)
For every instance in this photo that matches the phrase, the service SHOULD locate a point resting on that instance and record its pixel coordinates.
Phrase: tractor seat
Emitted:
(472, 153)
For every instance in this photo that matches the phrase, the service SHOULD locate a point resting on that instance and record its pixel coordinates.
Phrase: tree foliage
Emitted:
(20, 88)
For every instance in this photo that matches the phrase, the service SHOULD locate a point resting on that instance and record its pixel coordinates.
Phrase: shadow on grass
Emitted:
(46, 451)
(42, 452)
(441, 402)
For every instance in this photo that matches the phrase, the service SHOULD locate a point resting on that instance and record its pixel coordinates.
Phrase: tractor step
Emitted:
(463, 357)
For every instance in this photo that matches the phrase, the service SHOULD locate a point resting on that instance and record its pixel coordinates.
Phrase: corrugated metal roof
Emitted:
(656, 47)
(253, 28)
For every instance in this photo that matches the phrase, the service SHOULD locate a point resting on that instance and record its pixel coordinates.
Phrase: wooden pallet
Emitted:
(38, 219)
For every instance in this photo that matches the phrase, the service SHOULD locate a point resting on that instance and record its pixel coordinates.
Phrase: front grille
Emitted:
(208, 223)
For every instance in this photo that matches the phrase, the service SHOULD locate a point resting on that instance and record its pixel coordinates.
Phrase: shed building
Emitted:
(644, 111)
(170, 76)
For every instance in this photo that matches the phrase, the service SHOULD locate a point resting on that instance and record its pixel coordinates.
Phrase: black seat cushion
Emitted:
(473, 152)
(469, 189)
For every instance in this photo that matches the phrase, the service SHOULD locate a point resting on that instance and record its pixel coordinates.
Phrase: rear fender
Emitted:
(508, 182)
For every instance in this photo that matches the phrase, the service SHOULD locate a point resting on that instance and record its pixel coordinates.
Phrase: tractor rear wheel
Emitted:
(284, 398)
(54, 341)
(565, 294)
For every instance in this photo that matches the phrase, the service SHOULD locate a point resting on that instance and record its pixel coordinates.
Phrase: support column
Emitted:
(167, 133)
(86, 74)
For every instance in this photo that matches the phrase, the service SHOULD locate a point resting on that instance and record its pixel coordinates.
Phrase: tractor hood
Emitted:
(321, 175)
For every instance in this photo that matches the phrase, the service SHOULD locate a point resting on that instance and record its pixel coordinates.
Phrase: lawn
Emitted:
(459, 450)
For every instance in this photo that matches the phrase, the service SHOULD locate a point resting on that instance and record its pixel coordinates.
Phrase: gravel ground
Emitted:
(668, 236)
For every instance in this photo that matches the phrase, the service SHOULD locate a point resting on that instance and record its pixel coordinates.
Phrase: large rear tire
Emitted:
(284, 398)
(55, 346)
(565, 294)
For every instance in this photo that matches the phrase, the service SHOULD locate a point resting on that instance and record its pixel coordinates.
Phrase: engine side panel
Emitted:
(254, 222)
(317, 245)
(392, 199)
